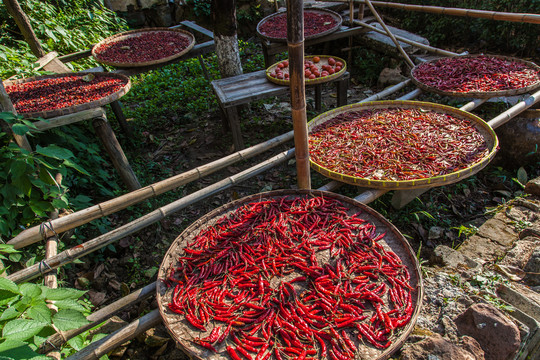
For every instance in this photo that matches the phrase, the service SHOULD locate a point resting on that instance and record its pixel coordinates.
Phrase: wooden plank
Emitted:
(76, 55)
(193, 26)
(69, 119)
(44, 60)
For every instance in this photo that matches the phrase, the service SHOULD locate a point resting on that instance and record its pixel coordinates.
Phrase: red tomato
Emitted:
(273, 74)
(280, 66)
(285, 63)
(307, 73)
(339, 63)
(325, 73)
(280, 76)
(330, 71)
(316, 59)
(314, 68)
(331, 61)
(316, 73)
(337, 68)
(286, 75)
(312, 76)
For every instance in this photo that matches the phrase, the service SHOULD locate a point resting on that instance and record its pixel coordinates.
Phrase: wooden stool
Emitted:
(242, 89)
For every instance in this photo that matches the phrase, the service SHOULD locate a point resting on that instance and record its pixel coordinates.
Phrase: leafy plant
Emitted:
(31, 313)
(30, 190)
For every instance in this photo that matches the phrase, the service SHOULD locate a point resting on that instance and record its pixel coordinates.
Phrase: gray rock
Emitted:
(447, 256)
(438, 348)
(482, 249)
(487, 325)
(533, 187)
(532, 268)
(520, 254)
(435, 232)
(498, 231)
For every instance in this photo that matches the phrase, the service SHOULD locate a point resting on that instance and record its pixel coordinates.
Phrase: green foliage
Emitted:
(30, 190)
(493, 35)
(200, 7)
(26, 320)
(64, 26)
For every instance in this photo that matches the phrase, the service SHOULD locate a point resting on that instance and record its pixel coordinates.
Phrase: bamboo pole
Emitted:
(295, 45)
(71, 221)
(101, 347)
(370, 195)
(24, 25)
(409, 41)
(51, 246)
(514, 110)
(411, 95)
(96, 318)
(389, 33)
(472, 13)
(386, 92)
(99, 242)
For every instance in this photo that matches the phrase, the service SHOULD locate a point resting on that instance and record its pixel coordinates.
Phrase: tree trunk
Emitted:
(24, 25)
(225, 37)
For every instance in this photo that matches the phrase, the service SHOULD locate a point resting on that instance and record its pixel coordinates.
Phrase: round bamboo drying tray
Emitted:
(74, 108)
(393, 240)
(480, 94)
(487, 132)
(319, 80)
(334, 15)
(136, 33)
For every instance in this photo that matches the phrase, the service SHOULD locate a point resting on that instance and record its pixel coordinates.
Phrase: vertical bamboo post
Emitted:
(380, 20)
(295, 44)
(24, 25)
(7, 106)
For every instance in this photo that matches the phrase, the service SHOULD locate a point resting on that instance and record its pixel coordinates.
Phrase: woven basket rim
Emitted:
(480, 94)
(134, 33)
(75, 108)
(481, 125)
(309, 81)
(393, 239)
(334, 14)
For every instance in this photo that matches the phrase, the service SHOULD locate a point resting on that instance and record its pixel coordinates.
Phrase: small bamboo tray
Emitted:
(334, 15)
(480, 94)
(487, 132)
(319, 80)
(135, 33)
(393, 240)
(79, 107)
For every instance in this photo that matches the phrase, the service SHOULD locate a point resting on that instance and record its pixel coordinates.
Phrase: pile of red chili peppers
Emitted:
(146, 46)
(396, 144)
(291, 278)
(314, 23)
(62, 92)
(479, 74)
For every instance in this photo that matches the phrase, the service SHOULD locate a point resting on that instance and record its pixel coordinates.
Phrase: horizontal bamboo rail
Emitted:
(96, 318)
(472, 13)
(71, 221)
(409, 41)
(103, 346)
(99, 242)
(514, 110)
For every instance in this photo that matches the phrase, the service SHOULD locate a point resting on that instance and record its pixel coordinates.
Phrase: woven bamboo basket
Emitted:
(393, 240)
(334, 15)
(74, 108)
(481, 94)
(487, 132)
(319, 80)
(135, 33)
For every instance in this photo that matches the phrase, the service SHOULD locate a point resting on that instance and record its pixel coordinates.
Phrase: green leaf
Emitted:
(59, 204)
(68, 319)
(16, 349)
(69, 304)
(10, 313)
(20, 129)
(17, 168)
(41, 313)
(5, 248)
(62, 293)
(15, 257)
(22, 329)
(9, 286)
(77, 342)
(522, 176)
(55, 152)
(71, 164)
(30, 290)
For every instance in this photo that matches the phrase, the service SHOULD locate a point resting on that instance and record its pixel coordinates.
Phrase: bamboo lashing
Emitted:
(295, 45)
(472, 13)
(103, 346)
(71, 221)
(409, 41)
(96, 318)
(101, 241)
(389, 33)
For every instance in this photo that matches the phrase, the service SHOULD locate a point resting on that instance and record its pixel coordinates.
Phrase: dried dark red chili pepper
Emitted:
(314, 23)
